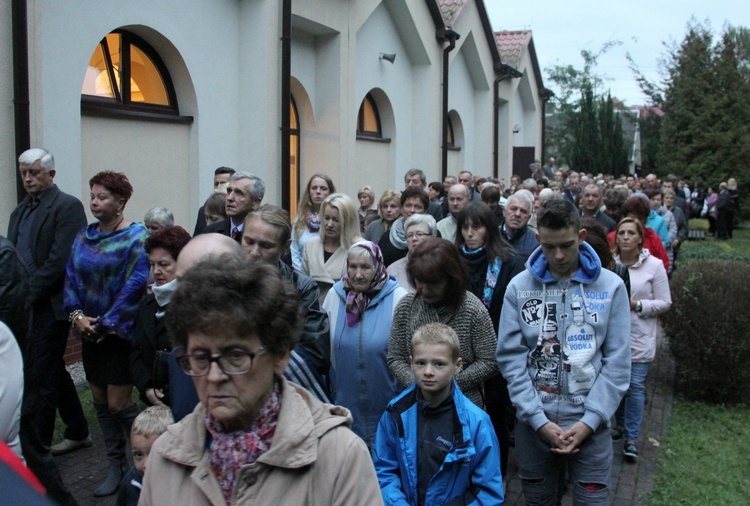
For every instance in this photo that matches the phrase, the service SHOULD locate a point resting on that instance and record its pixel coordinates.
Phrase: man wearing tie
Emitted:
(244, 195)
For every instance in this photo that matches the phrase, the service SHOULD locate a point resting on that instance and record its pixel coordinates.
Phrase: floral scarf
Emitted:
(230, 451)
(313, 224)
(478, 258)
(356, 302)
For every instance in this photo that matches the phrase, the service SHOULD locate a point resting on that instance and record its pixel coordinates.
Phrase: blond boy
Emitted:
(433, 445)
(147, 427)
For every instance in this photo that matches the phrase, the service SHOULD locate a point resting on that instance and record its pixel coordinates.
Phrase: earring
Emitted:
(118, 213)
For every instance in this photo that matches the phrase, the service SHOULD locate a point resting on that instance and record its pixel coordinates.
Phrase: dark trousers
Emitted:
(724, 224)
(51, 380)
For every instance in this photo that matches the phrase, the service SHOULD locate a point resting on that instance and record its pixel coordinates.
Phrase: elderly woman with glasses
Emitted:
(418, 227)
(254, 437)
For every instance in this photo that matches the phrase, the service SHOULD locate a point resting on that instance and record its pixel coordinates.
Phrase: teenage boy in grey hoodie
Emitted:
(563, 347)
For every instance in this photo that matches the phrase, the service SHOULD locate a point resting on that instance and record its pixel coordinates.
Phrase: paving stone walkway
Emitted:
(84, 469)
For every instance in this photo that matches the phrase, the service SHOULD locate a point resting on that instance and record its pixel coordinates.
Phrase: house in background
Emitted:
(167, 91)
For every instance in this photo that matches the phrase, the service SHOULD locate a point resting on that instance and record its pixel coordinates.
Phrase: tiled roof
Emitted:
(451, 10)
(511, 45)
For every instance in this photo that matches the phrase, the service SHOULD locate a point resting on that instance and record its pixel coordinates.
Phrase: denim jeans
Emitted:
(630, 412)
(539, 468)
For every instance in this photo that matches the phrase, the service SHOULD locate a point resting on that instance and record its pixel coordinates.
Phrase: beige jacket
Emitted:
(314, 460)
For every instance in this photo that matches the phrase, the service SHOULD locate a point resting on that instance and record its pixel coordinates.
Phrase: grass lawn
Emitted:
(87, 404)
(705, 457)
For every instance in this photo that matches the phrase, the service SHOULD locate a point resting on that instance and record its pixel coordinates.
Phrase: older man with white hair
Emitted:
(514, 228)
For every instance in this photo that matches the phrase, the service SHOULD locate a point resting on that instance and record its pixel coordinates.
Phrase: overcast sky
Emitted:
(562, 29)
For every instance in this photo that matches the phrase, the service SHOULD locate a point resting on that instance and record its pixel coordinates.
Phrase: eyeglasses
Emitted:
(231, 362)
(416, 235)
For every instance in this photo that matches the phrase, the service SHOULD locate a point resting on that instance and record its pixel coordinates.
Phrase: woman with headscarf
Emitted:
(360, 311)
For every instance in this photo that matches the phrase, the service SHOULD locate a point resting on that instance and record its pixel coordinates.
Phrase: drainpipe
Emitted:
(507, 72)
(22, 123)
(286, 97)
(451, 37)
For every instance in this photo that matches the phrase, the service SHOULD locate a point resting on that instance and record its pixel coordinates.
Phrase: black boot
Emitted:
(114, 442)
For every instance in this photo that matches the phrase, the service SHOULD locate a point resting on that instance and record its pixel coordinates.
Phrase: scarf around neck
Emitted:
(480, 267)
(313, 224)
(163, 295)
(230, 451)
(357, 302)
(398, 234)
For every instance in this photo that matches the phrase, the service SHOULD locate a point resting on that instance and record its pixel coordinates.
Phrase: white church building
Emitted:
(167, 90)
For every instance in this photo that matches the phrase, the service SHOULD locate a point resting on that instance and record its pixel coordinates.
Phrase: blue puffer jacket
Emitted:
(470, 473)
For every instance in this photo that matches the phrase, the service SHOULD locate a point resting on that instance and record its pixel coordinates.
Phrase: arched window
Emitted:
(293, 157)
(368, 120)
(126, 73)
(449, 136)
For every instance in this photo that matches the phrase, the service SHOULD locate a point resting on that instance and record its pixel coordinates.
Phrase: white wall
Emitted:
(7, 132)
(158, 169)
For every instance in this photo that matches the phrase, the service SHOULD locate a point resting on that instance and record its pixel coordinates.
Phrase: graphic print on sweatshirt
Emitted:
(546, 357)
(579, 348)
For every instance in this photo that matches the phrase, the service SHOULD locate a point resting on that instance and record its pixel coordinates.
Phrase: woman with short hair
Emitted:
(254, 438)
(439, 276)
(157, 218)
(393, 245)
(390, 209)
(368, 209)
(418, 228)
(149, 358)
(105, 279)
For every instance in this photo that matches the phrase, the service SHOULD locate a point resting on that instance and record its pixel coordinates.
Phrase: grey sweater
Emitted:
(476, 337)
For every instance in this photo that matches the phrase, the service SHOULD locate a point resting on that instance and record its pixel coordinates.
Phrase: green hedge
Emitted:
(709, 325)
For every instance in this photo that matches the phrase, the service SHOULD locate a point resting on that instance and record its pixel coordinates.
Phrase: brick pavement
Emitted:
(84, 469)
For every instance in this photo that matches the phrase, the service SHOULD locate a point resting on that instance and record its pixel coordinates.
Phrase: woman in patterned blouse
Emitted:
(105, 279)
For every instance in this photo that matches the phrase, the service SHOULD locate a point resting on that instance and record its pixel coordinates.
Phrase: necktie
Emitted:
(235, 233)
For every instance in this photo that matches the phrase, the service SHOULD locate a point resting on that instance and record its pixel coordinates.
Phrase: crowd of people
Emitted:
(350, 354)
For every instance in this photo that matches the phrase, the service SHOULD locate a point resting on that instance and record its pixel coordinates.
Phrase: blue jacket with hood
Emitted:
(470, 473)
(564, 348)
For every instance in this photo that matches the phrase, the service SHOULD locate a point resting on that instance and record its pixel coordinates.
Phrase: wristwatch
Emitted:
(638, 306)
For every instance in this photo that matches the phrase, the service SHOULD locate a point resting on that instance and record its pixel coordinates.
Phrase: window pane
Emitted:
(96, 81)
(370, 117)
(293, 124)
(113, 44)
(146, 84)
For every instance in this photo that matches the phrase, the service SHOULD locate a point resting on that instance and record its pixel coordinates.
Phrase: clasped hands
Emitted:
(564, 442)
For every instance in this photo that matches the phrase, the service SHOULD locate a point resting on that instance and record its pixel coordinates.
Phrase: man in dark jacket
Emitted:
(515, 230)
(244, 195)
(267, 235)
(43, 228)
